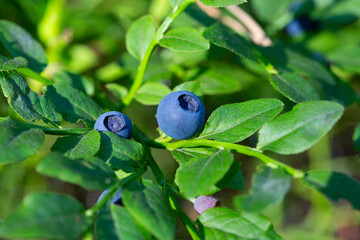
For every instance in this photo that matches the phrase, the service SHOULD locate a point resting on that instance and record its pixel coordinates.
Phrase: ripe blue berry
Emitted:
(180, 114)
(116, 198)
(115, 122)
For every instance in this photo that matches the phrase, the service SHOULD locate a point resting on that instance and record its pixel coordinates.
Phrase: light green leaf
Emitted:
(17, 141)
(46, 215)
(223, 37)
(222, 3)
(198, 175)
(12, 64)
(241, 121)
(90, 173)
(191, 86)
(294, 87)
(269, 186)
(139, 36)
(73, 104)
(356, 138)
(20, 43)
(270, 12)
(215, 83)
(117, 89)
(184, 39)
(183, 155)
(120, 153)
(78, 146)
(299, 129)
(148, 205)
(151, 93)
(229, 224)
(335, 186)
(27, 103)
(346, 57)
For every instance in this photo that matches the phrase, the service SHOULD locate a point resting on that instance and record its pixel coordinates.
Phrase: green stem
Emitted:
(34, 75)
(253, 152)
(145, 60)
(60, 131)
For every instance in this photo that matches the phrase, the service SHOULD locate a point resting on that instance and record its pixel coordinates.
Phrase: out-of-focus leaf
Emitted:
(12, 64)
(198, 175)
(222, 3)
(269, 186)
(46, 215)
(17, 141)
(185, 39)
(27, 103)
(116, 89)
(301, 128)
(346, 57)
(334, 185)
(139, 36)
(90, 173)
(356, 138)
(294, 87)
(148, 205)
(241, 121)
(78, 82)
(73, 104)
(270, 11)
(191, 86)
(120, 153)
(20, 43)
(151, 93)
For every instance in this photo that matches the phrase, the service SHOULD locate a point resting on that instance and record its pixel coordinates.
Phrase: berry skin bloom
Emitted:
(181, 114)
(115, 122)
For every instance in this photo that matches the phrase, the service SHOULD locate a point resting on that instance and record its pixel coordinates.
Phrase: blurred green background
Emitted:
(87, 37)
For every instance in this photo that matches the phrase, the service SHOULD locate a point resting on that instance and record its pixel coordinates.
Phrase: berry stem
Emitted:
(144, 62)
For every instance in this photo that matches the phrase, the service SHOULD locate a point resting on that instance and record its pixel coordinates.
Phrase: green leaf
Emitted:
(46, 215)
(269, 186)
(148, 205)
(176, 3)
(229, 224)
(214, 83)
(90, 173)
(294, 87)
(241, 121)
(17, 141)
(151, 93)
(27, 103)
(117, 89)
(120, 153)
(335, 186)
(191, 86)
(73, 104)
(12, 64)
(20, 43)
(78, 146)
(183, 155)
(270, 12)
(184, 39)
(116, 223)
(198, 175)
(223, 37)
(356, 138)
(78, 82)
(139, 36)
(222, 3)
(346, 57)
(299, 129)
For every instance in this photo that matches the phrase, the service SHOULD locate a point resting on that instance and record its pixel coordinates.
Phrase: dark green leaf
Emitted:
(335, 186)
(222, 3)
(139, 36)
(78, 82)
(299, 129)
(148, 205)
(191, 86)
(27, 103)
(229, 224)
(12, 64)
(46, 215)
(78, 146)
(185, 39)
(20, 43)
(241, 121)
(17, 141)
(294, 87)
(73, 104)
(151, 93)
(269, 186)
(356, 138)
(120, 153)
(183, 155)
(198, 175)
(90, 173)
(223, 37)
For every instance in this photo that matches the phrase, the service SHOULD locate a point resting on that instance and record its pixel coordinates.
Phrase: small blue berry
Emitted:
(115, 122)
(116, 198)
(181, 114)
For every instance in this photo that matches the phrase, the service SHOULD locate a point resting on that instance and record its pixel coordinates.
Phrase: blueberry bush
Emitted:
(210, 119)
